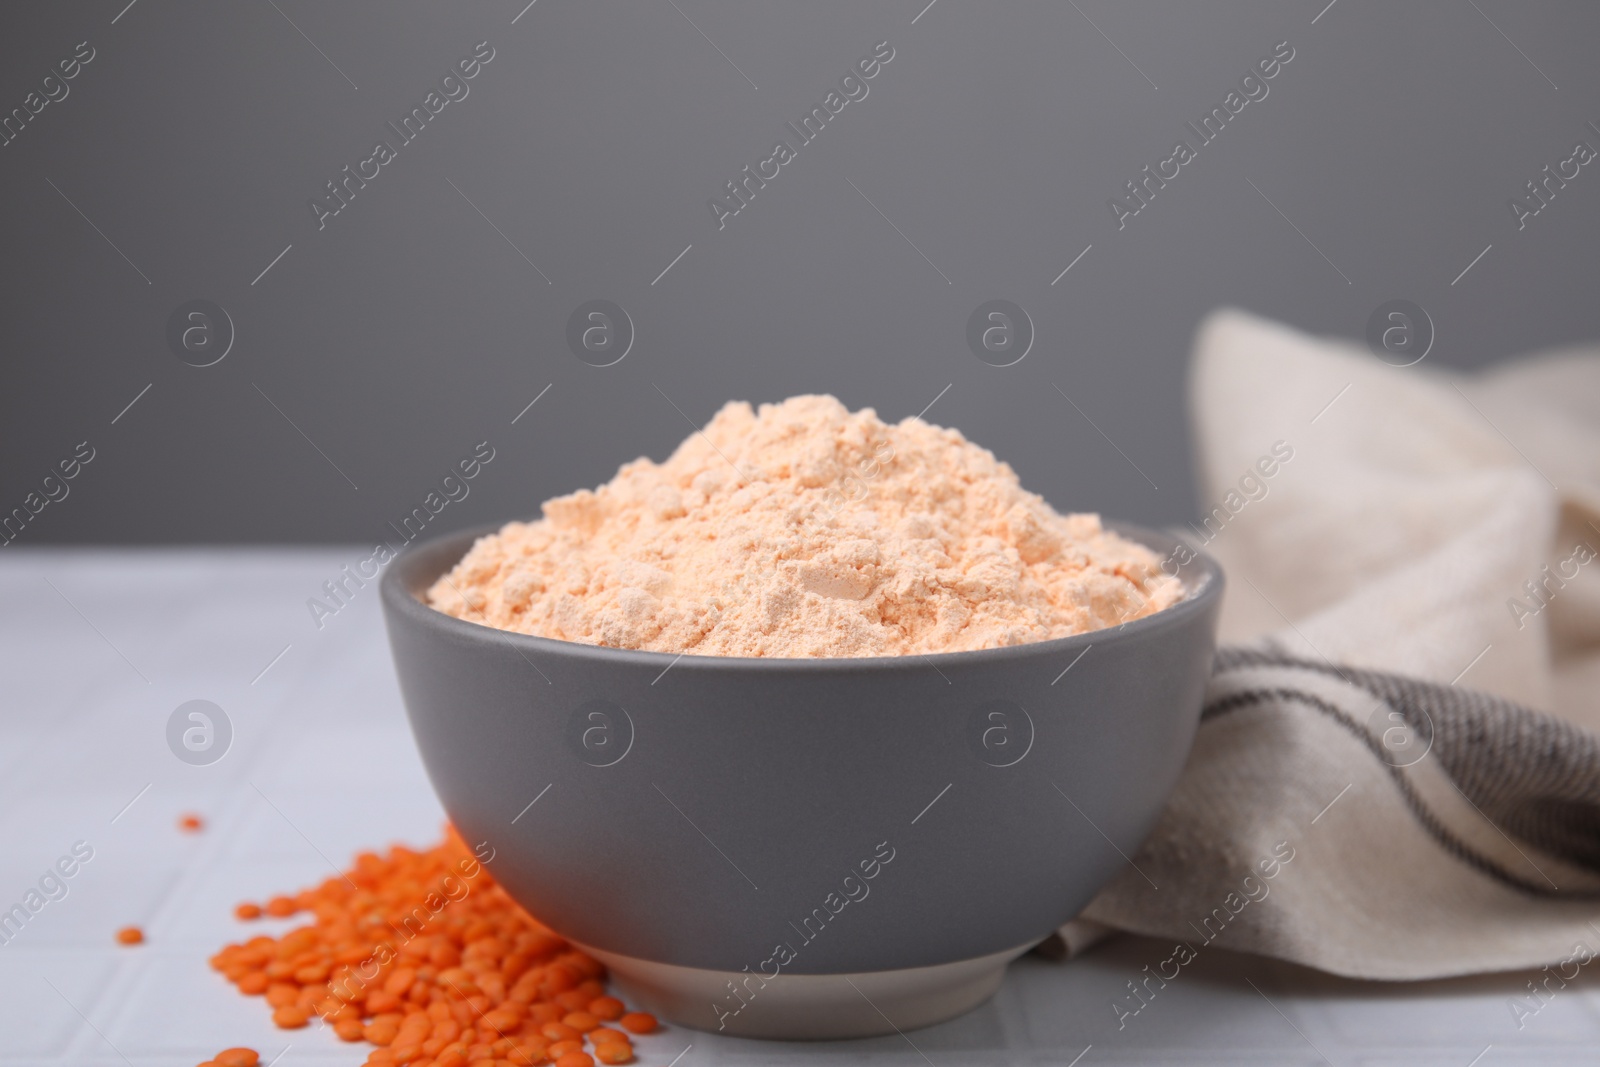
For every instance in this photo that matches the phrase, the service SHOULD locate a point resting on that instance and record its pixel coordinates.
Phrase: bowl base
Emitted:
(802, 1007)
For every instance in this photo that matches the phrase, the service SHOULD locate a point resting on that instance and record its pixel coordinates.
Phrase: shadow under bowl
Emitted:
(803, 848)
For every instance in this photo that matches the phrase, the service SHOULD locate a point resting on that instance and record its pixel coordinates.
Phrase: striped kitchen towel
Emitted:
(1397, 771)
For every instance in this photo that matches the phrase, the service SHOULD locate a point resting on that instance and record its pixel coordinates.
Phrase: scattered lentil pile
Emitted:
(424, 956)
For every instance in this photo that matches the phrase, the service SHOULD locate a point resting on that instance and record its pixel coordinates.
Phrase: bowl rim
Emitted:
(416, 567)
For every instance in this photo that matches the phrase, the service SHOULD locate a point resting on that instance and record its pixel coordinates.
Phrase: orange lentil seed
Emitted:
(576, 1059)
(237, 1057)
(381, 1032)
(291, 1017)
(190, 822)
(580, 1021)
(612, 1052)
(639, 1022)
(610, 1009)
(130, 935)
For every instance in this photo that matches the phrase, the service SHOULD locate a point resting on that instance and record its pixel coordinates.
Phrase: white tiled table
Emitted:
(98, 648)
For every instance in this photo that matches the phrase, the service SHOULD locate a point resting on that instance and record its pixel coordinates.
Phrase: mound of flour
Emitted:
(803, 529)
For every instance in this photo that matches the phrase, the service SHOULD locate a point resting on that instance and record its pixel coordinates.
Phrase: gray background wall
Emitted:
(378, 350)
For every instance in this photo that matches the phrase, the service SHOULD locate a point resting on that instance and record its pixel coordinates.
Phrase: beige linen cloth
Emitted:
(1408, 701)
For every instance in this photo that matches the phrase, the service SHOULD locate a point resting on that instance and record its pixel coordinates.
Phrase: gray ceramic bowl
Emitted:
(802, 848)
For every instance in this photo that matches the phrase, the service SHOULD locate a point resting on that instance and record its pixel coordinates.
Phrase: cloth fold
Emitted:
(1397, 772)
